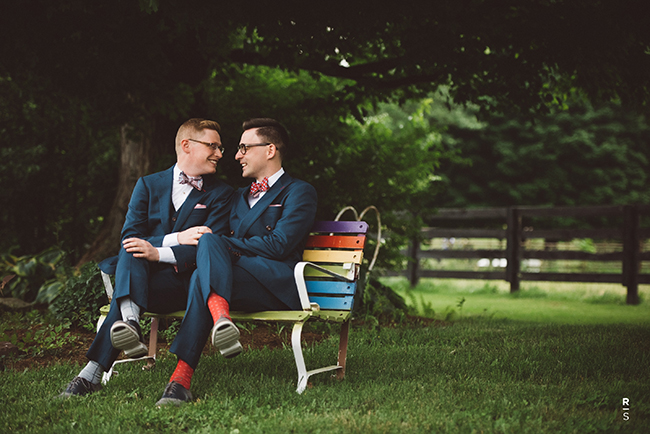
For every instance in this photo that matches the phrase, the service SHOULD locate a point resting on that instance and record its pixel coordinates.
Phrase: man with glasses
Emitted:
(168, 213)
(251, 269)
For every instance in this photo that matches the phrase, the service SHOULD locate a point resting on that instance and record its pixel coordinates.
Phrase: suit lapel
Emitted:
(254, 213)
(165, 197)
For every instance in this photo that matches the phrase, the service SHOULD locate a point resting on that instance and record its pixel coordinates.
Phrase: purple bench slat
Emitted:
(341, 227)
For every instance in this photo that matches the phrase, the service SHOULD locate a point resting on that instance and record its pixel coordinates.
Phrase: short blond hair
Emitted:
(195, 125)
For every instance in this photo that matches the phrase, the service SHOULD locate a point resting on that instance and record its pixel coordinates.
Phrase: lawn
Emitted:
(561, 303)
(478, 372)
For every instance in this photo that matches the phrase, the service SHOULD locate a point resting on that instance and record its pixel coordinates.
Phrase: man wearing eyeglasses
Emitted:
(168, 213)
(251, 269)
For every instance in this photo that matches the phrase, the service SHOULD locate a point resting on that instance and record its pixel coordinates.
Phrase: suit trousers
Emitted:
(153, 286)
(218, 272)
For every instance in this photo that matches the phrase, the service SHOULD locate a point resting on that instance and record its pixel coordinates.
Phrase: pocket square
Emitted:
(275, 205)
(200, 206)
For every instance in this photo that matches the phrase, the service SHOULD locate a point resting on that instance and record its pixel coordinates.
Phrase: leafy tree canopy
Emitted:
(73, 72)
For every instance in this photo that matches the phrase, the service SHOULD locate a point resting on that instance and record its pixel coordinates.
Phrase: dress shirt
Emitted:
(180, 192)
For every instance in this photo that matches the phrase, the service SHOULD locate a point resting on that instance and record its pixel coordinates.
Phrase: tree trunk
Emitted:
(134, 163)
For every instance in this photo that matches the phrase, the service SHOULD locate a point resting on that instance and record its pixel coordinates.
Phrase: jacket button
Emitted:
(232, 232)
(269, 228)
(173, 219)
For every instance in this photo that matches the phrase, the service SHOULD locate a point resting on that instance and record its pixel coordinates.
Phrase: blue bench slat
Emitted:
(341, 227)
(334, 303)
(330, 287)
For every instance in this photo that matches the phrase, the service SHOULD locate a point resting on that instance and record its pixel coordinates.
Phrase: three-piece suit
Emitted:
(159, 287)
(252, 267)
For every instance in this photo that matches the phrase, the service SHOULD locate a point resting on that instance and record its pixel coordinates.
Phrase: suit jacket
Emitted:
(151, 214)
(268, 239)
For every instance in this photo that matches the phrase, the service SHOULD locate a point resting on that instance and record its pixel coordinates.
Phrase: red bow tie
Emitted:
(258, 187)
(194, 182)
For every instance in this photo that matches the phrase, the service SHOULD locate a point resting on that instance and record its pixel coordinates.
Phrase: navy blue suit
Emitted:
(159, 287)
(253, 267)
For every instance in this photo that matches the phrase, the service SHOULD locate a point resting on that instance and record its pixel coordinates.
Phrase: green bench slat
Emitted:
(338, 269)
(271, 315)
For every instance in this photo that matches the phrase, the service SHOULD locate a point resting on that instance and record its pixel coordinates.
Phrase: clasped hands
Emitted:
(143, 249)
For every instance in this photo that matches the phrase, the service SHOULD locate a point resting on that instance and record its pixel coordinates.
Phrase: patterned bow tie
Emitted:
(194, 182)
(258, 187)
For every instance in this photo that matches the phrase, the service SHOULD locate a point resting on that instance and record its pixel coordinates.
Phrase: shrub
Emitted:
(81, 297)
(34, 277)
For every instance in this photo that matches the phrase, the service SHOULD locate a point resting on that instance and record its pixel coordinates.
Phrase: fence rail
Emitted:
(509, 223)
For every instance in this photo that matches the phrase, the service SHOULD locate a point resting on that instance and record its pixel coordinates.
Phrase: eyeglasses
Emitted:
(243, 148)
(212, 146)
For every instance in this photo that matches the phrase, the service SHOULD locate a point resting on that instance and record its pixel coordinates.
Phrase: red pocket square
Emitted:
(200, 206)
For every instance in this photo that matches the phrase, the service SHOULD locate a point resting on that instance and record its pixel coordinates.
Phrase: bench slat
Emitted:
(334, 303)
(340, 256)
(340, 227)
(329, 287)
(337, 241)
(338, 269)
(271, 315)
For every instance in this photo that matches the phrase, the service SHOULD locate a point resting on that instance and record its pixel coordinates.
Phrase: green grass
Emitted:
(551, 360)
(477, 375)
(545, 302)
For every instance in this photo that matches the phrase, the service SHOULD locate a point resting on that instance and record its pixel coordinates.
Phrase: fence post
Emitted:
(631, 253)
(513, 249)
(414, 264)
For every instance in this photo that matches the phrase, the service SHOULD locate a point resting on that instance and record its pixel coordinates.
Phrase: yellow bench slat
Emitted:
(340, 256)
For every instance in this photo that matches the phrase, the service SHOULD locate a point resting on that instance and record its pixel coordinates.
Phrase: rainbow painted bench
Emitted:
(327, 281)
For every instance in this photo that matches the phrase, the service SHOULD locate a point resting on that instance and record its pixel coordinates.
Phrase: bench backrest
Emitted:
(338, 247)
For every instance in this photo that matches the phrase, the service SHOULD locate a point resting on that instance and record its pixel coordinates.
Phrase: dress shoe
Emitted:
(80, 387)
(174, 394)
(225, 337)
(127, 336)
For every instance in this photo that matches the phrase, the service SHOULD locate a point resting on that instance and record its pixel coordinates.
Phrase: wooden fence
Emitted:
(511, 224)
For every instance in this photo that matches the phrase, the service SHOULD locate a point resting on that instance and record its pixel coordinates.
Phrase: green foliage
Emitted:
(389, 160)
(45, 336)
(35, 277)
(581, 156)
(380, 302)
(81, 297)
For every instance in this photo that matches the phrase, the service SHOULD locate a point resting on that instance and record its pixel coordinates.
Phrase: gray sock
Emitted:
(92, 372)
(130, 310)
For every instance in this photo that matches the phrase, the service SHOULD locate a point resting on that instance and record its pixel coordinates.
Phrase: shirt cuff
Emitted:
(171, 240)
(166, 255)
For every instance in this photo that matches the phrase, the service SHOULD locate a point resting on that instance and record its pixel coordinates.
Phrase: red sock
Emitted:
(218, 306)
(183, 374)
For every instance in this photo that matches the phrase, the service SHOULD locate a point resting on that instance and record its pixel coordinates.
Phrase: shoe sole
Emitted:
(225, 337)
(126, 339)
(170, 401)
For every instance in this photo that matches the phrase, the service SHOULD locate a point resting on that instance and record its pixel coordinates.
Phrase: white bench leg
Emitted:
(300, 360)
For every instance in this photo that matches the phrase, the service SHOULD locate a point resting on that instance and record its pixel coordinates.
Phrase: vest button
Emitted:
(232, 232)
(173, 219)
(269, 228)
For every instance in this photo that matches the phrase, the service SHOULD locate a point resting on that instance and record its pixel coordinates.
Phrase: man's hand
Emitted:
(141, 249)
(191, 236)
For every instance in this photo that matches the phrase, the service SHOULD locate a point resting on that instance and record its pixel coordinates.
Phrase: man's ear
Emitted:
(185, 146)
(271, 152)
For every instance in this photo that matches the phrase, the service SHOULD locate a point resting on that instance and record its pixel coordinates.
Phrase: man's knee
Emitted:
(210, 243)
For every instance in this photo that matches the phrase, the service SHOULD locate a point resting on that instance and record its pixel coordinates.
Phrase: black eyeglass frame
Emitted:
(213, 145)
(243, 148)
